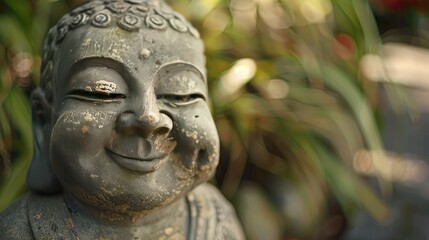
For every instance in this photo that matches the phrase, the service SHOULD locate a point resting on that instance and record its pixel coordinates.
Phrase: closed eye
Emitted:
(181, 100)
(95, 96)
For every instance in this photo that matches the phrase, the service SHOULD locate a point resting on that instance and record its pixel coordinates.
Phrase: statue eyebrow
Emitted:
(180, 64)
(121, 68)
(86, 62)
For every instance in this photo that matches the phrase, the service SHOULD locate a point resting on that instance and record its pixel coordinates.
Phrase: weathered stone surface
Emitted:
(124, 136)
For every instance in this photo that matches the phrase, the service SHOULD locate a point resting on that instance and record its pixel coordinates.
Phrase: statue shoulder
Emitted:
(14, 221)
(35, 216)
(211, 208)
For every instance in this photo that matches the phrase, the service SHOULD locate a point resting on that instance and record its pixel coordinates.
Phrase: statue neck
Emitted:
(90, 221)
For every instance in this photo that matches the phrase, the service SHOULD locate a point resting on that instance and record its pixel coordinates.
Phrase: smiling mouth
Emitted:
(143, 165)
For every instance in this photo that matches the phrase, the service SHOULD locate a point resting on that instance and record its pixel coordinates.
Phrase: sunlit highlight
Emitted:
(396, 168)
(241, 73)
(277, 89)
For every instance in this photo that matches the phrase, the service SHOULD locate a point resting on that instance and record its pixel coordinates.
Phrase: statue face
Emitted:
(132, 129)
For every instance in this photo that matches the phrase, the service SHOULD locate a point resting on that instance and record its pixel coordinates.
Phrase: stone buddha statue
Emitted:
(124, 137)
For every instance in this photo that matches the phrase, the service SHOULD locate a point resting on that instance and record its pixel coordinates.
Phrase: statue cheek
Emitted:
(207, 160)
(84, 132)
(198, 141)
(78, 145)
(67, 131)
(81, 124)
(208, 154)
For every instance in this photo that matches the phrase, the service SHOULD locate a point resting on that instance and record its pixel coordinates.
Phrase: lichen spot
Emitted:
(85, 129)
(69, 223)
(88, 117)
(169, 231)
(144, 54)
(205, 169)
(105, 86)
(86, 42)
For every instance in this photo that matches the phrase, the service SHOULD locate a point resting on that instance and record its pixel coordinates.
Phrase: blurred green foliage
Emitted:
(289, 99)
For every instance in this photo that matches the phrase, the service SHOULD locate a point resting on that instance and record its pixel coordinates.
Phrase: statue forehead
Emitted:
(144, 47)
(141, 53)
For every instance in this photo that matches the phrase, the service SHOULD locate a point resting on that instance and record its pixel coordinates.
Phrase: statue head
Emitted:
(121, 119)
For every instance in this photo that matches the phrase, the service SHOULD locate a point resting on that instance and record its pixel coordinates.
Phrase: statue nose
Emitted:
(152, 121)
(148, 122)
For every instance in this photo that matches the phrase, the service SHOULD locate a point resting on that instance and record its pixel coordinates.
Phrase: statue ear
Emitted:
(40, 176)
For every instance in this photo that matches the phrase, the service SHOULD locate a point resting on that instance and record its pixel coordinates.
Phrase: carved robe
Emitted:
(45, 217)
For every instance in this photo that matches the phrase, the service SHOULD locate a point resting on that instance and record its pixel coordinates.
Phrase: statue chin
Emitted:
(143, 201)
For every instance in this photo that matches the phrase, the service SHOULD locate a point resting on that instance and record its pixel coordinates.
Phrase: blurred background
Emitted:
(322, 107)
